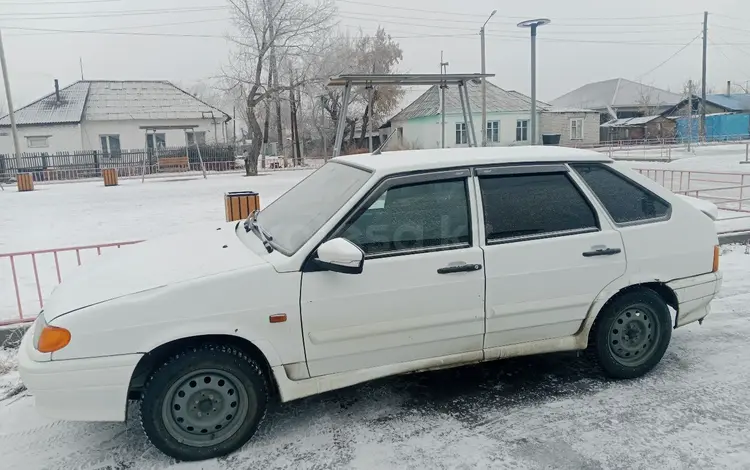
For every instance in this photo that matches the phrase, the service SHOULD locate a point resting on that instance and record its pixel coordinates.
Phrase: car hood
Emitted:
(151, 265)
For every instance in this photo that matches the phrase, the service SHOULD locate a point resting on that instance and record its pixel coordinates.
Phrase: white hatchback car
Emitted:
(374, 265)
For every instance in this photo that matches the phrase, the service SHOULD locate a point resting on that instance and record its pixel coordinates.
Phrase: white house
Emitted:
(508, 118)
(111, 115)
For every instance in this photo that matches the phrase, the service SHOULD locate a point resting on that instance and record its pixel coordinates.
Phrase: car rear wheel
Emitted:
(632, 334)
(204, 403)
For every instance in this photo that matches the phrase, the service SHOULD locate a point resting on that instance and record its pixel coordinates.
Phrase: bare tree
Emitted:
(293, 30)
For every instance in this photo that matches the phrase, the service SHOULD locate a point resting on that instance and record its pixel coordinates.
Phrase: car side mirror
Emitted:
(341, 256)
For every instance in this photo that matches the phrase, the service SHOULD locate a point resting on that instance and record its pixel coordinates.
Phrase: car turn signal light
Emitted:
(53, 339)
(716, 258)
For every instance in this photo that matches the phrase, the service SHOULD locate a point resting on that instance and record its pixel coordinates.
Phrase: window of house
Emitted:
(533, 205)
(158, 141)
(522, 130)
(433, 215)
(196, 136)
(110, 145)
(625, 200)
(493, 131)
(460, 133)
(576, 129)
(37, 141)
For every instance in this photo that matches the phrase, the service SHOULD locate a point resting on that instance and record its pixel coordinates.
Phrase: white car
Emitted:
(374, 265)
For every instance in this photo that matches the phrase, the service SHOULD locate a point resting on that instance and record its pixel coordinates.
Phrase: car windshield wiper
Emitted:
(252, 224)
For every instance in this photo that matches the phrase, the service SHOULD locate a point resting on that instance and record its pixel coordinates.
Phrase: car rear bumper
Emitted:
(93, 389)
(694, 295)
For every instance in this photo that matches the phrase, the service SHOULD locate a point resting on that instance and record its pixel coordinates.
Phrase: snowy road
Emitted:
(552, 411)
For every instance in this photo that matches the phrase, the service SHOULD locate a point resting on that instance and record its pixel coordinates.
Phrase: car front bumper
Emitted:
(91, 389)
(694, 295)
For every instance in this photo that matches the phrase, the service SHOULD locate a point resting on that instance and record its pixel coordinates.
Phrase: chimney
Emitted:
(57, 91)
(729, 88)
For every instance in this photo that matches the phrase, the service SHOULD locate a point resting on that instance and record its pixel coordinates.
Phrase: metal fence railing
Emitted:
(89, 164)
(32, 273)
(727, 190)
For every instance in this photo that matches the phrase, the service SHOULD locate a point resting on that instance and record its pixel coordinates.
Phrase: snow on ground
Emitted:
(551, 411)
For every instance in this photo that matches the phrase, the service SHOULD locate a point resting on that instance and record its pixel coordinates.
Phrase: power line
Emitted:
(57, 2)
(670, 57)
(104, 14)
(118, 28)
(734, 63)
(484, 15)
(123, 33)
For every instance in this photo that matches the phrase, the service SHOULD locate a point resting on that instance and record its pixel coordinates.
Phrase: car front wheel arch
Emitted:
(155, 358)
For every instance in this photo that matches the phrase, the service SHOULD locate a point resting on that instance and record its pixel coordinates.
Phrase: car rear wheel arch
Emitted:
(155, 358)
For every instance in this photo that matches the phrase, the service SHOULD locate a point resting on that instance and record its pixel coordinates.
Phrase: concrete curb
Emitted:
(734, 237)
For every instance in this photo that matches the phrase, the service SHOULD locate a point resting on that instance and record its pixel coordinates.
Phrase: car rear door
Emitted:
(548, 253)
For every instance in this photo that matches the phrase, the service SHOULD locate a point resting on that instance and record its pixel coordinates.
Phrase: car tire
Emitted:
(632, 334)
(204, 402)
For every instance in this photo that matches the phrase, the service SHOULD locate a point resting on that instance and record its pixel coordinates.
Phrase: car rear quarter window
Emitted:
(533, 205)
(625, 200)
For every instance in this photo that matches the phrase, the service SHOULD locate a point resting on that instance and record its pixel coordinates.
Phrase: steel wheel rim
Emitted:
(633, 336)
(206, 407)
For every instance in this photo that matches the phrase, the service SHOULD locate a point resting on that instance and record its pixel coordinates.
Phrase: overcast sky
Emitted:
(588, 40)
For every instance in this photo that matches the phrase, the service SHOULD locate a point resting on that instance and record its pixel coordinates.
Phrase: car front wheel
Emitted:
(204, 402)
(631, 334)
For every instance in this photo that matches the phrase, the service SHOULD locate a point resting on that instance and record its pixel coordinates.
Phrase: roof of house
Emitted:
(104, 100)
(617, 93)
(629, 122)
(498, 100)
(734, 102)
(415, 160)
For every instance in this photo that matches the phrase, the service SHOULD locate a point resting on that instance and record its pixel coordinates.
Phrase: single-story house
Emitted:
(619, 98)
(418, 125)
(108, 116)
(508, 120)
(576, 127)
(715, 104)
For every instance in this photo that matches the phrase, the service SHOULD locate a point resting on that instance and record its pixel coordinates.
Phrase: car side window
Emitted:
(625, 200)
(534, 205)
(423, 216)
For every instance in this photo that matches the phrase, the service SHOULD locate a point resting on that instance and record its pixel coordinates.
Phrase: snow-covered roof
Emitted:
(618, 93)
(48, 110)
(498, 100)
(415, 160)
(627, 122)
(569, 110)
(100, 100)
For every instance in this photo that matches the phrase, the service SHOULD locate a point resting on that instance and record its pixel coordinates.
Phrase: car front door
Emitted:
(421, 292)
(548, 253)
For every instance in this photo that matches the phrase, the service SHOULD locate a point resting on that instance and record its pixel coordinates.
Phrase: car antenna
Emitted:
(379, 150)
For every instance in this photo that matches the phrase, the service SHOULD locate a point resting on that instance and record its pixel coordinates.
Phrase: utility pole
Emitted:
(690, 113)
(484, 82)
(369, 115)
(703, 77)
(533, 25)
(13, 129)
(443, 87)
(80, 62)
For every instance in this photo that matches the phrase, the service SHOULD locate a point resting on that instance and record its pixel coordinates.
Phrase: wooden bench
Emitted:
(174, 164)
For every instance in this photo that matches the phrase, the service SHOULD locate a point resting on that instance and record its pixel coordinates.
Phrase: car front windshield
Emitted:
(298, 214)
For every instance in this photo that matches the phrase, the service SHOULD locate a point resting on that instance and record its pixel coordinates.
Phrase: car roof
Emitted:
(416, 160)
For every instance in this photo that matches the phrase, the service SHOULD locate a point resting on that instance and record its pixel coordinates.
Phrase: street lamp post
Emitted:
(484, 83)
(533, 24)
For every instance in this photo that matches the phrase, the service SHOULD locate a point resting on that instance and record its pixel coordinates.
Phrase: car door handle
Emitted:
(602, 252)
(461, 268)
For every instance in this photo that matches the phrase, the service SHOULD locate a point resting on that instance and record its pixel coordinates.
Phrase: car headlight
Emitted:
(48, 338)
